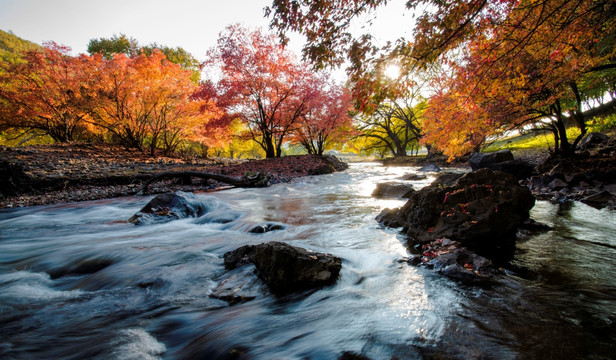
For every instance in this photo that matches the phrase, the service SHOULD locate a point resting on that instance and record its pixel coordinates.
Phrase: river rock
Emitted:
(463, 265)
(285, 268)
(238, 286)
(266, 227)
(169, 206)
(393, 190)
(501, 161)
(338, 164)
(483, 160)
(446, 179)
(414, 177)
(430, 168)
(482, 211)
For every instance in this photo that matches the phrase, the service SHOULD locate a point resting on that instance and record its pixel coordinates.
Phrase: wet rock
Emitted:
(285, 268)
(349, 355)
(414, 177)
(501, 161)
(169, 206)
(449, 258)
(82, 267)
(393, 190)
(267, 227)
(338, 164)
(482, 211)
(239, 285)
(518, 168)
(600, 199)
(483, 160)
(463, 265)
(430, 168)
(446, 179)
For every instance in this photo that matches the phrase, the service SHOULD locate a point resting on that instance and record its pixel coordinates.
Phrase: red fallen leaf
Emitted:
(469, 267)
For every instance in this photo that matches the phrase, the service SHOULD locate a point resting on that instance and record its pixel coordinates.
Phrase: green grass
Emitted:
(529, 141)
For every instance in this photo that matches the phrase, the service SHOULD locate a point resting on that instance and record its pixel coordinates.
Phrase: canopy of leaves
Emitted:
(510, 62)
(262, 84)
(122, 44)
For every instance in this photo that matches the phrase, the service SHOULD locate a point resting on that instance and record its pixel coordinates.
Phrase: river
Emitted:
(145, 294)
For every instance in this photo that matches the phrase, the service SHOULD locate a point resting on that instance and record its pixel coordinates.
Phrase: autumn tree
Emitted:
(543, 83)
(327, 120)
(145, 100)
(44, 92)
(570, 44)
(122, 44)
(262, 84)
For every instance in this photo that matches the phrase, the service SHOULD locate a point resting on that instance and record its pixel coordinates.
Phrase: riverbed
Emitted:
(78, 281)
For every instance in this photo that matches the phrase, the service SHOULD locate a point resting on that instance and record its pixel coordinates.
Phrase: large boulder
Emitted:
(483, 160)
(482, 211)
(169, 206)
(285, 268)
(501, 161)
(392, 190)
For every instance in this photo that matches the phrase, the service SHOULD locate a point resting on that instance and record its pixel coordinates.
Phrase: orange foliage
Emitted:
(43, 92)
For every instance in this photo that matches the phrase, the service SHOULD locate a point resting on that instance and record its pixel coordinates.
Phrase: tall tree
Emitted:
(262, 84)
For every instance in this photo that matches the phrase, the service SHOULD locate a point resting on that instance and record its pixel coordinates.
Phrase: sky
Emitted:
(191, 24)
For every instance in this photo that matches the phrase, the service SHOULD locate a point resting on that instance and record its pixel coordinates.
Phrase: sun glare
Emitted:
(392, 71)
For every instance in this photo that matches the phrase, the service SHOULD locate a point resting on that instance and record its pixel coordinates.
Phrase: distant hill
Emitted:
(11, 45)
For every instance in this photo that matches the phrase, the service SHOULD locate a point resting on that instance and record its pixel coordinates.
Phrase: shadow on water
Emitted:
(77, 281)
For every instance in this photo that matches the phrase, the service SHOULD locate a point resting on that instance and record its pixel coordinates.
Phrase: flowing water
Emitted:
(77, 281)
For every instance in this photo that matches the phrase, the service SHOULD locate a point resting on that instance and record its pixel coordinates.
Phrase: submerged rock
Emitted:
(285, 268)
(169, 206)
(266, 227)
(482, 211)
(238, 286)
(393, 190)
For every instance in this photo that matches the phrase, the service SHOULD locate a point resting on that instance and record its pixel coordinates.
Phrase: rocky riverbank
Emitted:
(49, 174)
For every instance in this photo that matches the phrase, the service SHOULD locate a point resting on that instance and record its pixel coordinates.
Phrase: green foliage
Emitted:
(122, 44)
(179, 56)
(117, 44)
(603, 124)
(11, 46)
(531, 140)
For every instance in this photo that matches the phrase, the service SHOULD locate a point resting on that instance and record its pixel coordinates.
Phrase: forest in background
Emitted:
(473, 71)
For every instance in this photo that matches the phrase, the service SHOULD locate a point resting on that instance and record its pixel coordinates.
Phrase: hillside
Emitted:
(11, 45)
